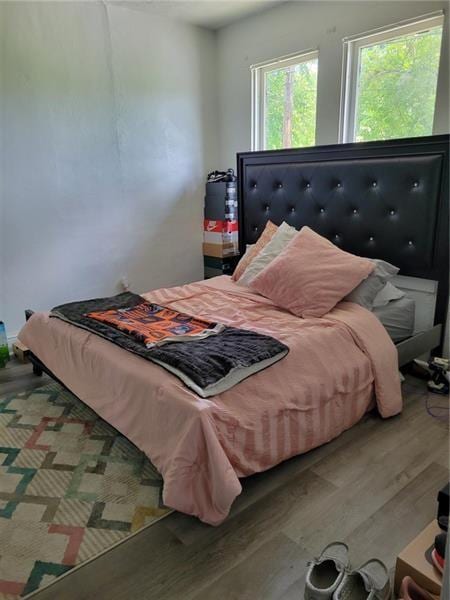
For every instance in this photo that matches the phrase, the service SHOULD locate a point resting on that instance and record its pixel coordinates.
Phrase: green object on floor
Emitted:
(4, 350)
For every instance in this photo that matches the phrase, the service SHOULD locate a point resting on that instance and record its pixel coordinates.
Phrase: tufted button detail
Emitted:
(280, 185)
(416, 184)
(292, 209)
(374, 184)
(308, 185)
(255, 228)
(355, 211)
(322, 210)
(339, 184)
(410, 243)
(392, 212)
(254, 185)
(371, 238)
(266, 208)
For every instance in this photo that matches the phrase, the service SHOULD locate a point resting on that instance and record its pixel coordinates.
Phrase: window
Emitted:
(390, 81)
(284, 102)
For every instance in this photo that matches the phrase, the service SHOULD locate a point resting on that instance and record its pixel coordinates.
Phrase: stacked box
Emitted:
(220, 229)
(220, 238)
(219, 266)
(221, 200)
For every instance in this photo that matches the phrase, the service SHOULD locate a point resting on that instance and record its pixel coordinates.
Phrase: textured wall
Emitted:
(108, 123)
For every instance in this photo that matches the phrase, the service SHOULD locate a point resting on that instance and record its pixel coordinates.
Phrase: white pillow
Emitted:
(387, 294)
(270, 251)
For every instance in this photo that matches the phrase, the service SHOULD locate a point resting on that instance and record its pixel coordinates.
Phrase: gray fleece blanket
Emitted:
(208, 366)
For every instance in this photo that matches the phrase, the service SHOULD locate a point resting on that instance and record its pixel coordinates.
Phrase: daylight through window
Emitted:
(285, 96)
(391, 82)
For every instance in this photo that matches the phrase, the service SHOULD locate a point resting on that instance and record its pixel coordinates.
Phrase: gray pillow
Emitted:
(388, 294)
(364, 294)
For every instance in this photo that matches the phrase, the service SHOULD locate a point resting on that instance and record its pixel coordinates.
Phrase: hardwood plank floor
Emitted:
(18, 377)
(374, 487)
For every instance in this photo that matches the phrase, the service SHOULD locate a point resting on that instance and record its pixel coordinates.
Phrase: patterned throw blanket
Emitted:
(208, 366)
(156, 325)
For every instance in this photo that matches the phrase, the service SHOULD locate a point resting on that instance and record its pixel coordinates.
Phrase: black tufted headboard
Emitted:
(384, 200)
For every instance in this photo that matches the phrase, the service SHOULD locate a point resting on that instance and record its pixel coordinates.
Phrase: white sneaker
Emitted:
(326, 572)
(369, 582)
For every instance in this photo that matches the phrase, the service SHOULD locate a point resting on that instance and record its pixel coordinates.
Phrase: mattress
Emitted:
(398, 318)
(203, 446)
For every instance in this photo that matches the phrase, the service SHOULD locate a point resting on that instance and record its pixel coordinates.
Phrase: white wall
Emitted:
(2, 145)
(108, 119)
(297, 26)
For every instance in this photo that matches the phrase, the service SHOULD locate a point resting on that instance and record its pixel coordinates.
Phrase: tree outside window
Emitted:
(285, 97)
(290, 106)
(391, 82)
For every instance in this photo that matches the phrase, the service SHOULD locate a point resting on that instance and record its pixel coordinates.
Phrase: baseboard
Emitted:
(11, 339)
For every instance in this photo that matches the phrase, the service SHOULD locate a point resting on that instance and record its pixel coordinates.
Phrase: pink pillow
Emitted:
(269, 231)
(311, 275)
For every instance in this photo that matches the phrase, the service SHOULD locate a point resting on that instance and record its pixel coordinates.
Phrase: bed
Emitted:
(397, 317)
(339, 366)
(387, 200)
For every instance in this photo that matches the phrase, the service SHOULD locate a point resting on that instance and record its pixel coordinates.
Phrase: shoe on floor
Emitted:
(369, 582)
(410, 590)
(438, 554)
(325, 573)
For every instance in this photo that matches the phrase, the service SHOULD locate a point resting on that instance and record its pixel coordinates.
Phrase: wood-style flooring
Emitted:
(374, 487)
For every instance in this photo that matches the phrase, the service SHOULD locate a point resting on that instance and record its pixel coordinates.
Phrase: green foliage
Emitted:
(397, 83)
(301, 105)
(397, 87)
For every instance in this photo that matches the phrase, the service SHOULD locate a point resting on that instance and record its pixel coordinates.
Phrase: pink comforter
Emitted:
(203, 446)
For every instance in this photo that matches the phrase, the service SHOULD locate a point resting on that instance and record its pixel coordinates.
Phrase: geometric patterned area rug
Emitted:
(71, 486)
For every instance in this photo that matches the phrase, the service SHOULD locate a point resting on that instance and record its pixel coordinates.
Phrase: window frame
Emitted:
(258, 73)
(350, 71)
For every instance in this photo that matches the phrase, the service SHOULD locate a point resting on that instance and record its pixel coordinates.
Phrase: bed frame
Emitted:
(387, 200)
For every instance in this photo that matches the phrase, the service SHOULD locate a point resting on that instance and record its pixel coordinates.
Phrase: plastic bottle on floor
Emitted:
(4, 350)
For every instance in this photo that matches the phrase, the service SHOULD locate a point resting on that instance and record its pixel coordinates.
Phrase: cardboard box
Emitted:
(211, 237)
(20, 351)
(414, 561)
(219, 250)
(219, 266)
(220, 238)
